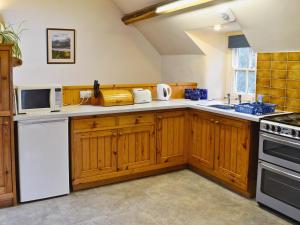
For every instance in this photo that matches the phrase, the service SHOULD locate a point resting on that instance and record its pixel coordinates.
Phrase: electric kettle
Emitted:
(164, 92)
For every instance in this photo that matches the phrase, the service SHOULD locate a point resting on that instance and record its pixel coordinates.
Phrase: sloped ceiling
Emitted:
(269, 25)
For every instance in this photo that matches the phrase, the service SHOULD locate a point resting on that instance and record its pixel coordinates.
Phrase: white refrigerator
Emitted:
(43, 158)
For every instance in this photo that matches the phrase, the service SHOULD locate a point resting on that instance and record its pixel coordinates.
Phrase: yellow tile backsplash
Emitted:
(276, 65)
(278, 79)
(278, 74)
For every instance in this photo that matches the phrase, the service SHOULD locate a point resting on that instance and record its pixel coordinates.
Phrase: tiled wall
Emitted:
(278, 79)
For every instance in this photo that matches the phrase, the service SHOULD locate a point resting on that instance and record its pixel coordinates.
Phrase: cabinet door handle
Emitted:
(159, 117)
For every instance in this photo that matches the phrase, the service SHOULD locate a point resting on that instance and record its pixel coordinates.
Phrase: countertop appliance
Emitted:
(164, 92)
(43, 158)
(39, 98)
(278, 181)
(113, 97)
(141, 95)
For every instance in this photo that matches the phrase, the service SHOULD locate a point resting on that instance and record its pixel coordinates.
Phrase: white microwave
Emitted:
(39, 98)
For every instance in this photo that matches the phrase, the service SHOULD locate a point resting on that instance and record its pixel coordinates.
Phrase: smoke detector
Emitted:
(228, 16)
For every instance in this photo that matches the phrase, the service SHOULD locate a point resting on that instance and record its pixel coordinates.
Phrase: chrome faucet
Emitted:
(239, 98)
(228, 98)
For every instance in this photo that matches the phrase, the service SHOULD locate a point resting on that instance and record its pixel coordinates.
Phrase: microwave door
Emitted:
(34, 100)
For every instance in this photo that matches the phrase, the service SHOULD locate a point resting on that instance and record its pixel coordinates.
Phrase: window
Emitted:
(244, 71)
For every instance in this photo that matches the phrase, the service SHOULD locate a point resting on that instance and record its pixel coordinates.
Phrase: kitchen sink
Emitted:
(222, 106)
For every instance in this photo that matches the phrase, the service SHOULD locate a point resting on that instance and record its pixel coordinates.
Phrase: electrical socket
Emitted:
(85, 94)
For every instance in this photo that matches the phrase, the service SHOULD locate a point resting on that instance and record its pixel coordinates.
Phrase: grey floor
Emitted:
(177, 198)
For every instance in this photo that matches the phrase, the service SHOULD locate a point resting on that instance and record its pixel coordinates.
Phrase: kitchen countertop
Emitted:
(89, 110)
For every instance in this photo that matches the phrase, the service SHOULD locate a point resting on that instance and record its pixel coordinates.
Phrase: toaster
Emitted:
(141, 95)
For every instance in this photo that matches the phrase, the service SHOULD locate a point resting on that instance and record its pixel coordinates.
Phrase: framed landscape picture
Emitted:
(60, 46)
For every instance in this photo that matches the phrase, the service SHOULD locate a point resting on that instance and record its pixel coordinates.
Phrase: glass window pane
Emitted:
(251, 82)
(252, 64)
(243, 60)
(240, 81)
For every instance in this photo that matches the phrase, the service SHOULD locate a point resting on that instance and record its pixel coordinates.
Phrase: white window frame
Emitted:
(235, 68)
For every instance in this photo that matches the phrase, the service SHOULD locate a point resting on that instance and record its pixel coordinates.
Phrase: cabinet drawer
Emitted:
(136, 119)
(94, 123)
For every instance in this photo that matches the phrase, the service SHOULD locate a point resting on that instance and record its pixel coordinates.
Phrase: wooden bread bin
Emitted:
(113, 97)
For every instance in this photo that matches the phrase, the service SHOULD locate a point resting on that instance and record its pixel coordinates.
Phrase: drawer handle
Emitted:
(212, 120)
(217, 122)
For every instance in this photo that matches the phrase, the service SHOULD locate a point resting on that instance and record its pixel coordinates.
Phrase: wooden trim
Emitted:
(71, 94)
(109, 86)
(128, 177)
(149, 12)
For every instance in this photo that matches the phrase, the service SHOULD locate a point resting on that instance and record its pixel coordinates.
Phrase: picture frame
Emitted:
(60, 46)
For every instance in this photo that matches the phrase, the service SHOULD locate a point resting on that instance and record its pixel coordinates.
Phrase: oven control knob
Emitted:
(278, 129)
(293, 132)
(267, 127)
(273, 128)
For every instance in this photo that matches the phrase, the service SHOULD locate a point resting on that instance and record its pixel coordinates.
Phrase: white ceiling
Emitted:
(128, 6)
(269, 25)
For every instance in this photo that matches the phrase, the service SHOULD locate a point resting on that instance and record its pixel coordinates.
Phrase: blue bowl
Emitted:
(203, 94)
(195, 95)
(187, 93)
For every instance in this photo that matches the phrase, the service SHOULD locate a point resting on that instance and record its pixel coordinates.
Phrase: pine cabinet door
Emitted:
(5, 157)
(203, 137)
(171, 137)
(232, 150)
(136, 147)
(4, 81)
(94, 153)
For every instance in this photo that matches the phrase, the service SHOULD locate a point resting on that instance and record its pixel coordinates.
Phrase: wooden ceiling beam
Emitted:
(150, 11)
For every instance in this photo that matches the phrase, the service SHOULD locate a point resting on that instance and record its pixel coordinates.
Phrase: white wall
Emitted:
(183, 68)
(209, 70)
(106, 49)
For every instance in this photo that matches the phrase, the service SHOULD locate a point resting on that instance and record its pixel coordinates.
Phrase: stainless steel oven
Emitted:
(279, 188)
(278, 179)
(279, 150)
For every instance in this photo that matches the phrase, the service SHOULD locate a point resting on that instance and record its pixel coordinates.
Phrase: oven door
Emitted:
(280, 150)
(279, 188)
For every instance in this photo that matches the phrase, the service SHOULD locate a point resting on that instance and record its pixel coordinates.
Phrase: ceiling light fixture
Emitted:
(217, 27)
(178, 5)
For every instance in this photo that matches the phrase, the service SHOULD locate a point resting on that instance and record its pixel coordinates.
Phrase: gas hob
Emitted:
(287, 125)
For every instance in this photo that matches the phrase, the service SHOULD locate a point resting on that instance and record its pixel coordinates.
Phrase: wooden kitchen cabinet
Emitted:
(108, 147)
(232, 150)
(94, 154)
(7, 154)
(136, 147)
(5, 96)
(172, 130)
(6, 182)
(222, 149)
(202, 140)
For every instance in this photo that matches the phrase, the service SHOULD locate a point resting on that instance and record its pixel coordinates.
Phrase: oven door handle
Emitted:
(278, 171)
(280, 141)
